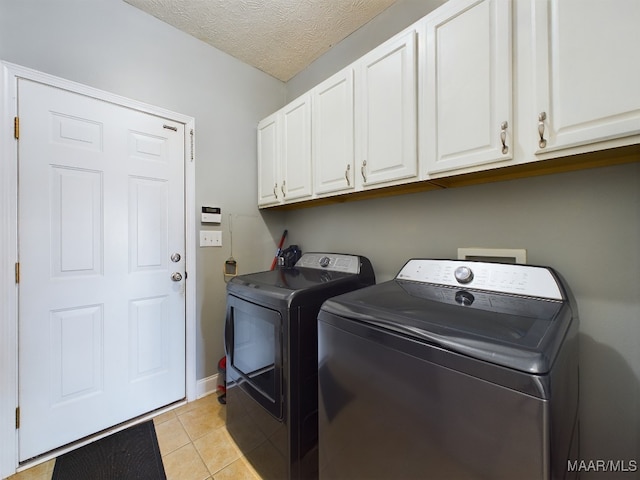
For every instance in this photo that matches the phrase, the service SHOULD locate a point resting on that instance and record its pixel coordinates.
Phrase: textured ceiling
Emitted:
(280, 37)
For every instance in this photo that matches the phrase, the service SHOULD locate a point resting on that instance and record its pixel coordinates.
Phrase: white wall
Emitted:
(585, 224)
(112, 46)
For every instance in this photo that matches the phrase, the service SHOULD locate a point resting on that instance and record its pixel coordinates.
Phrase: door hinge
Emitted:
(16, 127)
(18, 272)
(191, 133)
(17, 418)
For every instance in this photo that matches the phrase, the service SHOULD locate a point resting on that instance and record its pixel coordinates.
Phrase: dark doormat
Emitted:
(126, 455)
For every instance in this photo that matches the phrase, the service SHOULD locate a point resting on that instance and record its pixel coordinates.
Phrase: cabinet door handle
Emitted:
(362, 170)
(503, 137)
(275, 190)
(541, 118)
(346, 175)
(284, 194)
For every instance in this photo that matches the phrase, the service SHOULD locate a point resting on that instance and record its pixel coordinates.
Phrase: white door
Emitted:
(386, 82)
(101, 211)
(467, 106)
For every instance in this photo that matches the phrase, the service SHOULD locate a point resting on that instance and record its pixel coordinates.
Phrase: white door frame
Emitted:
(9, 244)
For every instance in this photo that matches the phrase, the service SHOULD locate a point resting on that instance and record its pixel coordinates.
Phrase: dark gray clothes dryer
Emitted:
(271, 343)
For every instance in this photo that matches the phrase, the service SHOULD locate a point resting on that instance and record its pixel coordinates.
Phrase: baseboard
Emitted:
(207, 386)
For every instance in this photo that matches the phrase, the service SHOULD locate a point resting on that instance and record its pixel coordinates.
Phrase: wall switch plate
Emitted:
(210, 238)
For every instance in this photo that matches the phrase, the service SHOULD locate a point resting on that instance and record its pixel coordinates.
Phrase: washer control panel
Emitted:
(330, 261)
(494, 277)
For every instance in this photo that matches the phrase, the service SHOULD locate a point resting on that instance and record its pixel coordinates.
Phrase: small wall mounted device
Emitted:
(230, 265)
(211, 215)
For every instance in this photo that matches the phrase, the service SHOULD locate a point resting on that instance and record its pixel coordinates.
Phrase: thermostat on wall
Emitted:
(211, 215)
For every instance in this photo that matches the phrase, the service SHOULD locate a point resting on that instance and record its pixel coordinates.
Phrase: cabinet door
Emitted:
(268, 150)
(587, 77)
(467, 103)
(333, 134)
(296, 150)
(386, 89)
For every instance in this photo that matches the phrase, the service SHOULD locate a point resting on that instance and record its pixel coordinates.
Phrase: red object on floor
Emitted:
(222, 389)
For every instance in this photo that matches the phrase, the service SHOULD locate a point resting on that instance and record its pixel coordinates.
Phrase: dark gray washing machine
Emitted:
(453, 370)
(271, 343)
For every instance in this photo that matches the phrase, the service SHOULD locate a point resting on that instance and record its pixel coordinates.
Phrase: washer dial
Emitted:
(463, 274)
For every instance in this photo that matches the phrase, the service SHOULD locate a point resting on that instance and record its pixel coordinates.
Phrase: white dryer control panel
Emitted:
(330, 261)
(494, 277)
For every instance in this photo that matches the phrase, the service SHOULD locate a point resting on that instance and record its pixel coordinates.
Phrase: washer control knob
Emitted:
(463, 274)
(325, 261)
(464, 298)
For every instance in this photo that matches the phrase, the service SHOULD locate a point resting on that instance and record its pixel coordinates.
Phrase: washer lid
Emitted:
(518, 332)
(307, 281)
(289, 279)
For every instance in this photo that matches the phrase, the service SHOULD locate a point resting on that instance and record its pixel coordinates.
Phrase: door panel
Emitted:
(147, 216)
(77, 365)
(333, 134)
(296, 149)
(101, 210)
(76, 216)
(268, 151)
(586, 85)
(149, 321)
(467, 105)
(388, 122)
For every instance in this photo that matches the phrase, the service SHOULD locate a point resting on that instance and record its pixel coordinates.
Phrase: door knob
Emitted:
(176, 276)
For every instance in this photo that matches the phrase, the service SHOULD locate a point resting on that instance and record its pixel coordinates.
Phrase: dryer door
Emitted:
(253, 343)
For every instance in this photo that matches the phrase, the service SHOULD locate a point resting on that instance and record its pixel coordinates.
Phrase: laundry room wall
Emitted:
(585, 224)
(110, 45)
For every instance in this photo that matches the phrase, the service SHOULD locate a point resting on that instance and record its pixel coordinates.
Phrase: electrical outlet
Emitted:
(210, 238)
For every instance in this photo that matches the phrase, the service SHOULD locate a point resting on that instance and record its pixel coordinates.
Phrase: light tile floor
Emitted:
(194, 444)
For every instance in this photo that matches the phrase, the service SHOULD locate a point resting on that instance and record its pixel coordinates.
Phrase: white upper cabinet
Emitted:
(475, 85)
(296, 150)
(466, 76)
(333, 134)
(284, 154)
(268, 151)
(386, 106)
(587, 73)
